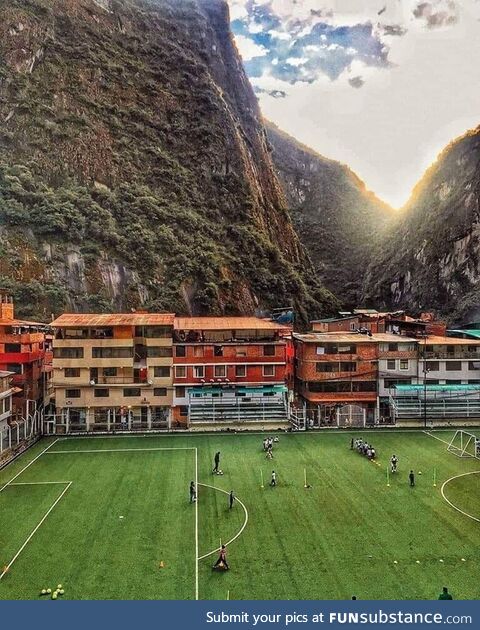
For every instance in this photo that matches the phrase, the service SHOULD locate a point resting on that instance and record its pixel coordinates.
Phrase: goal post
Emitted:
(464, 444)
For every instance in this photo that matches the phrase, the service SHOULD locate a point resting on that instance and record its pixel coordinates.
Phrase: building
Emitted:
(396, 322)
(336, 376)
(6, 405)
(231, 370)
(24, 350)
(113, 372)
(397, 365)
(447, 385)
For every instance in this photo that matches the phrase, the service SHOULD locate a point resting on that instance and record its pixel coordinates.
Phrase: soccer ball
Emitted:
(61, 591)
(59, 587)
(44, 591)
(54, 595)
(49, 590)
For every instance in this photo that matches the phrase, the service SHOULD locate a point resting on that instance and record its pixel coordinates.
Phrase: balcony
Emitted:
(122, 380)
(441, 354)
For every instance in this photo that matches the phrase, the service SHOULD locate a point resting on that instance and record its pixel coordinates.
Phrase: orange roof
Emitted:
(20, 322)
(352, 337)
(227, 323)
(448, 341)
(93, 320)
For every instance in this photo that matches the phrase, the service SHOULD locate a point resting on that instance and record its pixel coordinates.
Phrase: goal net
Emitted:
(464, 444)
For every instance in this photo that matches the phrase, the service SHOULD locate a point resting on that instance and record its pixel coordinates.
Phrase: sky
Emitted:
(381, 85)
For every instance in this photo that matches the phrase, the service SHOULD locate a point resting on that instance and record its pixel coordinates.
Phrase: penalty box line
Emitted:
(43, 519)
(157, 449)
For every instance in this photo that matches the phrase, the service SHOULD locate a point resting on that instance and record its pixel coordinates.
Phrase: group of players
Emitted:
(268, 446)
(363, 447)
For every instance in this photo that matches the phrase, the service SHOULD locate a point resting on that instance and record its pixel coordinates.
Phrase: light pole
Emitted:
(425, 372)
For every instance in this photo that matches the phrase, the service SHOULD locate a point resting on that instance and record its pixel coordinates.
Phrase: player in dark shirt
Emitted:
(411, 478)
(445, 594)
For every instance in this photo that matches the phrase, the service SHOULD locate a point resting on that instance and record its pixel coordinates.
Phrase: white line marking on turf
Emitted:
(38, 483)
(196, 525)
(7, 568)
(29, 464)
(442, 490)
(435, 437)
(210, 553)
(123, 450)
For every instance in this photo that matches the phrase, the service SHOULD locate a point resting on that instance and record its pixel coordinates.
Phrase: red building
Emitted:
(231, 369)
(337, 376)
(24, 351)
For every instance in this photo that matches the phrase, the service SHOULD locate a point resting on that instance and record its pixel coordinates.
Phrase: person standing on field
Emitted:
(193, 492)
(273, 482)
(216, 462)
(445, 594)
(231, 499)
(411, 478)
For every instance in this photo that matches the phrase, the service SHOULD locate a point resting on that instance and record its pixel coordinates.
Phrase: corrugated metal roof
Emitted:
(21, 322)
(447, 341)
(88, 320)
(470, 333)
(352, 337)
(227, 323)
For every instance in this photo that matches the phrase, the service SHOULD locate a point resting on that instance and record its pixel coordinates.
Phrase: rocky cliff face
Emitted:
(335, 216)
(431, 259)
(134, 165)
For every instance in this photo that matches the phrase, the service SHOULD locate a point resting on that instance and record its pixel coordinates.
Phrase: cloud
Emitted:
(436, 13)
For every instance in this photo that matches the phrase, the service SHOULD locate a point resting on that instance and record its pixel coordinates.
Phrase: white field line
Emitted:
(6, 569)
(435, 437)
(123, 450)
(29, 464)
(210, 553)
(442, 490)
(39, 483)
(196, 525)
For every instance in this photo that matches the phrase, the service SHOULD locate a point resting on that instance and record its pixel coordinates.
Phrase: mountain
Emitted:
(134, 165)
(336, 217)
(431, 258)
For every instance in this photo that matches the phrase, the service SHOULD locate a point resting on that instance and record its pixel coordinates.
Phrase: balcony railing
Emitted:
(120, 380)
(441, 354)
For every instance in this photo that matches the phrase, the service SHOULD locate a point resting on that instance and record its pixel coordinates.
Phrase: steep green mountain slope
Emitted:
(431, 259)
(336, 217)
(134, 166)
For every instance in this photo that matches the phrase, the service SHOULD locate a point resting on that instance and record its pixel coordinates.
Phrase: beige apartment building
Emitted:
(112, 372)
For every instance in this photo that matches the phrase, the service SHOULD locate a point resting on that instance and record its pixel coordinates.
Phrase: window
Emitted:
(7, 404)
(392, 382)
(13, 347)
(16, 368)
(344, 366)
(72, 372)
(111, 353)
(68, 353)
(160, 391)
(153, 332)
(220, 371)
(269, 351)
(268, 370)
(347, 349)
(199, 371)
(392, 347)
(450, 349)
(391, 364)
(240, 371)
(180, 351)
(453, 382)
(404, 364)
(129, 392)
(161, 372)
(218, 351)
(72, 393)
(474, 381)
(198, 351)
(101, 392)
(159, 351)
(320, 350)
(184, 411)
(110, 371)
(474, 365)
(433, 366)
(453, 366)
(180, 371)
(180, 392)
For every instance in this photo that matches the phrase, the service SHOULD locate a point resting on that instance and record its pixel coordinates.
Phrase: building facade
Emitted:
(25, 351)
(230, 370)
(113, 372)
(6, 395)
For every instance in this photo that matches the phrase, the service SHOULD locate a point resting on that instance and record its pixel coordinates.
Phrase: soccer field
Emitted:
(110, 518)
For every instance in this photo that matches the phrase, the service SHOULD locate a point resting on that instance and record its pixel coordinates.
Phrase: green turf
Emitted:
(339, 537)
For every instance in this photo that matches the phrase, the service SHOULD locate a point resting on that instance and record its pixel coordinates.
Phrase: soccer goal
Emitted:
(464, 444)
